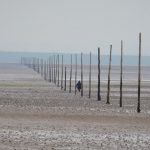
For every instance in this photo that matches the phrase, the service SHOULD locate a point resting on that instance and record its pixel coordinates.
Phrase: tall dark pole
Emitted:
(54, 70)
(62, 74)
(50, 69)
(45, 69)
(41, 67)
(108, 88)
(58, 70)
(121, 72)
(65, 79)
(33, 63)
(38, 70)
(90, 78)
(98, 94)
(139, 76)
(81, 76)
(22, 61)
(75, 73)
(70, 75)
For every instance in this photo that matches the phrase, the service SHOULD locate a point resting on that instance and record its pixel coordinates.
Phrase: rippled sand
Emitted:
(36, 114)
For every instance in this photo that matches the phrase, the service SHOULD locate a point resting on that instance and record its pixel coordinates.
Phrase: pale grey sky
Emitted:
(74, 25)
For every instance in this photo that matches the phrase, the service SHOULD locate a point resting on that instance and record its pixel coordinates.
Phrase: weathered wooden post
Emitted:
(35, 69)
(24, 62)
(62, 74)
(121, 72)
(98, 94)
(45, 70)
(54, 71)
(35, 63)
(109, 71)
(49, 69)
(41, 67)
(75, 73)
(90, 78)
(65, 78)
(81, 76)
(38, 65)
(21, 61)
(28, 63)
(32, 63)
(139, 76)
(70, 75)
(58, 70)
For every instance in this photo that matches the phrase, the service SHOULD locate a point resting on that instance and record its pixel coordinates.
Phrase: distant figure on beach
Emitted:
(78, 85)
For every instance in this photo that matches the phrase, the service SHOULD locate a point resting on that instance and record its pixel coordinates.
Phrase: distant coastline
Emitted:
(129, 60)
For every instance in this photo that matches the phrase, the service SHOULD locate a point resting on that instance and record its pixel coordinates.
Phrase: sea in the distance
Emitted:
(129, 60)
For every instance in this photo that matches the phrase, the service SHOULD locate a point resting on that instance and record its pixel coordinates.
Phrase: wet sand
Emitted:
(36, 114)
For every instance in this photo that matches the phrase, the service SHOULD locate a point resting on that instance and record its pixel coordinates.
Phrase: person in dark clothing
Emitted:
(78, 85)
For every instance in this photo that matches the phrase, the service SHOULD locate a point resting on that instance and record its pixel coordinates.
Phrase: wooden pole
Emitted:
(70, 75)
(121, 72)
(32, 63)
(35, 64)
(58, 70)
(108, 88)
(65, 79)
(54, 71)
(90, 78)
(81, 76)
(21, 61)
(38, 65)
(49, 65)
(139, 76)
(75, 74)
(45, 70)
(98, 94)
(62, 74)
(41, 67)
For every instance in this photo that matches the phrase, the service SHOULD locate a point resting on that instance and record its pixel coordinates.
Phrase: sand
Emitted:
(36, 114)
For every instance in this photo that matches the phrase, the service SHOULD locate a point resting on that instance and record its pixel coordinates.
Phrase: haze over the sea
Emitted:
(72, 26)
(15, 57)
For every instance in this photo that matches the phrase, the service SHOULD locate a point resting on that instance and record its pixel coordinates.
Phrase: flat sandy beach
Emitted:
(37, 115)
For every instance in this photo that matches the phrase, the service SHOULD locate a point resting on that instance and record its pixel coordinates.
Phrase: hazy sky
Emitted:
(74, 25)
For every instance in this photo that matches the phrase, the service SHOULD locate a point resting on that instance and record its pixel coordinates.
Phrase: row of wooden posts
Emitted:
(50, 71)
